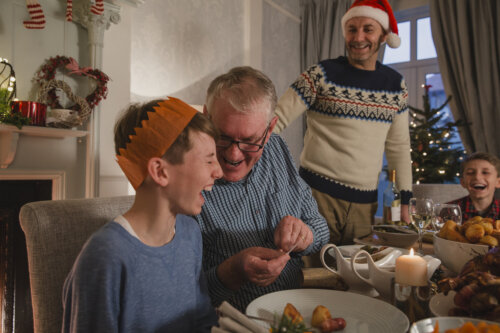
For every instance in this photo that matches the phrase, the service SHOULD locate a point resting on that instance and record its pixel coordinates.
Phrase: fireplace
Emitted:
(16, 314)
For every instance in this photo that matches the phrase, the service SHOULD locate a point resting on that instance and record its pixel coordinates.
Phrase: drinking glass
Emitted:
(445, 212)
(421, 214)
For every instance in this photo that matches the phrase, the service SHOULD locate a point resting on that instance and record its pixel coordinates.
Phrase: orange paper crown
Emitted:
(153, 139)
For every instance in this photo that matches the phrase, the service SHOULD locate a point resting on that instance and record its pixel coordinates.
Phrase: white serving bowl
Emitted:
(454, 255)
(403, 239)
(445, 323)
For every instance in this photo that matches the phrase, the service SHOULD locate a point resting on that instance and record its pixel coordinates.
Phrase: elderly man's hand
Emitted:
(292, 234)
(259, 265)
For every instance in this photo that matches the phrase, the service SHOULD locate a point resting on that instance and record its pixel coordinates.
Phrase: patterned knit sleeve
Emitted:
(397, 145)
(297, 99)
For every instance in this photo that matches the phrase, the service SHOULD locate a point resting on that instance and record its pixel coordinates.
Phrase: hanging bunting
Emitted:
(37, 17)
(69, 10)
(98, 8)
(36, 14)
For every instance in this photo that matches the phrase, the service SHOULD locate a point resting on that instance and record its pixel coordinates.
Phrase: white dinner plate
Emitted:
(445, 323)
(440, 304)
(361, 313)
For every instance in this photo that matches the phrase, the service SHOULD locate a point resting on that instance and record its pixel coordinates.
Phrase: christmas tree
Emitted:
(436, 153)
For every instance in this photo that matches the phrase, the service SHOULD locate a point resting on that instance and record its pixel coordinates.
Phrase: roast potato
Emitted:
(489, 240)
(474, 233)
(320, 314)
(291, 312)
(488, 227)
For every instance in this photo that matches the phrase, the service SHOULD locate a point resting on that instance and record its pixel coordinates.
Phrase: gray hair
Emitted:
(242, 87)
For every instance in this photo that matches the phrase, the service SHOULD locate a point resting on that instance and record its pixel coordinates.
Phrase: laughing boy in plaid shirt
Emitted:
(480, 177)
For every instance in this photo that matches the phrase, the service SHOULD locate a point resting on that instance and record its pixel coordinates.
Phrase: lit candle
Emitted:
(411, 270)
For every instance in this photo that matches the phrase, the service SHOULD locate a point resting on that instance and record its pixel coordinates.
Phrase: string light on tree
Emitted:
(434, 158)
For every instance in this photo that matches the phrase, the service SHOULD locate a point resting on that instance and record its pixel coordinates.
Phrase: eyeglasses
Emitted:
(250, 147)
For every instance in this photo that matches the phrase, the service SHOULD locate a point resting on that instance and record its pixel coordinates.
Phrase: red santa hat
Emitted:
(380, 11)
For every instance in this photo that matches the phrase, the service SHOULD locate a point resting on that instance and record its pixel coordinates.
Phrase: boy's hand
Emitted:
(292, 232)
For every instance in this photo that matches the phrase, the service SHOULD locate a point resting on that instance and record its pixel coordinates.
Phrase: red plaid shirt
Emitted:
(468, 210)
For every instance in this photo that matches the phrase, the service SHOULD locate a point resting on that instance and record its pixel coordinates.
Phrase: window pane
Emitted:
(402, 53)
(425, 43)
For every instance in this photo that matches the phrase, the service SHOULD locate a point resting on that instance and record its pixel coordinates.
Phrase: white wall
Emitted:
(117, 64)
(160, 48)
(281, 60)
(27, 50)
(178, 46)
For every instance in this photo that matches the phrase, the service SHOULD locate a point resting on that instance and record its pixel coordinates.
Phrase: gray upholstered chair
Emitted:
(55, 233)
(441, 193)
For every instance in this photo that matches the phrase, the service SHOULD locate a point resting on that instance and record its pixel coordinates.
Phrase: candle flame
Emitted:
(411, 252)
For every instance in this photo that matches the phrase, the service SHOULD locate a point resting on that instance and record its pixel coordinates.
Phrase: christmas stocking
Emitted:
(69, 10)
(98, 8)
(36, 14)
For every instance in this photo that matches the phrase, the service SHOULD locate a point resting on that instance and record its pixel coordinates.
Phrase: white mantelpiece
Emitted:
(9, 136)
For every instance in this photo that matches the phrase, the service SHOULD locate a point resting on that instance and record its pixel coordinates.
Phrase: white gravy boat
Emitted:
(356, 274)
(380, 278)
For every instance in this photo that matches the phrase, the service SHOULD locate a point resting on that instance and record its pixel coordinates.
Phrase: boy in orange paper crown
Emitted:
(142, 272)
(480, 176)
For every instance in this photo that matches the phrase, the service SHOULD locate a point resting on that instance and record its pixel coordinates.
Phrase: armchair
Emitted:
(55, 233)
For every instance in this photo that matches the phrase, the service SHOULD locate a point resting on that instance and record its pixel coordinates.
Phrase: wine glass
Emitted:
(445, 212)
(421, 214)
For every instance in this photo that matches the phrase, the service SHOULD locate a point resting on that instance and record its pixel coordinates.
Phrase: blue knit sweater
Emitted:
(119, 284)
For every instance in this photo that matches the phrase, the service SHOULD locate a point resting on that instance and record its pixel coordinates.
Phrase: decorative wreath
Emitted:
(47, 73)
(84, 109)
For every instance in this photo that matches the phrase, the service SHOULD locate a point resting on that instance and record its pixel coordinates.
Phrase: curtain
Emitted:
(321, 32)
(467, 38)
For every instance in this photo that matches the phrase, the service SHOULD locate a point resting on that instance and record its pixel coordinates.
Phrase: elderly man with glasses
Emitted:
(260, 218)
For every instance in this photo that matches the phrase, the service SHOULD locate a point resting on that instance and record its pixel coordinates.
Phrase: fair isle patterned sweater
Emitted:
(353, 116)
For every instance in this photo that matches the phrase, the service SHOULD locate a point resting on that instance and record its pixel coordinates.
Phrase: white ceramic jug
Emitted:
(346, 271)
(380, 277)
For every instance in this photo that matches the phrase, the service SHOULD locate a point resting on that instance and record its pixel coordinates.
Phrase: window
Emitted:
(416, 60)
(425, 44)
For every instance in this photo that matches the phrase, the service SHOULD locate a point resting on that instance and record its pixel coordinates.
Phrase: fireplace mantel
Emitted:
(9, 136)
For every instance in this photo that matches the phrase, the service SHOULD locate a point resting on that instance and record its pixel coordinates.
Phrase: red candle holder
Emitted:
(35, 111)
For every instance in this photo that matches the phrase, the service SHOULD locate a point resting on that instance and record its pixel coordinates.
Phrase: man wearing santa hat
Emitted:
(356, 109)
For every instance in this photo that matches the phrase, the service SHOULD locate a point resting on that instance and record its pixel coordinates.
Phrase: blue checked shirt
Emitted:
(243, 214)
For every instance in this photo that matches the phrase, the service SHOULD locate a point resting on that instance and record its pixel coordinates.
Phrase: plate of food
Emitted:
(360, 313)
(395, 235)
(475, 292)
(456, 324)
